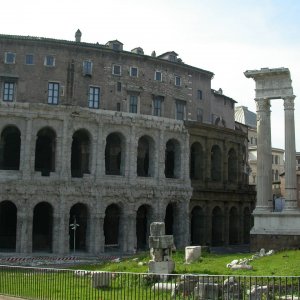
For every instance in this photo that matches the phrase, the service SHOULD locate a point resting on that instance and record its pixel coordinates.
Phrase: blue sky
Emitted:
(226, 37)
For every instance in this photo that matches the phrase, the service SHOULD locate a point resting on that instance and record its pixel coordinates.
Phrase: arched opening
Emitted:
(114, 155)
(172, 159)
(196, 162)
(80, 154)
(217, 227)
(169, 219)
(145, 159)
(112, 225)
(79, 216)
(232, 166)
(247, 225)
(216, 163)
(197, 226)
(142, 227)
(45, 151)
(10, 146)
(233, 226)
(42, 227)
(8, 226)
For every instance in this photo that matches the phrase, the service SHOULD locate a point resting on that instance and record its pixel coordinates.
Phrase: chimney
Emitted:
(78, 36)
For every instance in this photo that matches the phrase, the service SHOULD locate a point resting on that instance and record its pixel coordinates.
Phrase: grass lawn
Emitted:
(282, 263)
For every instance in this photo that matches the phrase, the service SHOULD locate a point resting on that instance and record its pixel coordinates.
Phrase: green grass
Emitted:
(65, 285)
(283, 263)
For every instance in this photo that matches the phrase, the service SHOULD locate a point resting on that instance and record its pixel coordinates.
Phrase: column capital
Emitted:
(262, 104)
(289, 103)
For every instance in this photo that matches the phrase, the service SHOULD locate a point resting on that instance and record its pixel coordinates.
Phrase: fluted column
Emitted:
(290, 155)
(264, 156)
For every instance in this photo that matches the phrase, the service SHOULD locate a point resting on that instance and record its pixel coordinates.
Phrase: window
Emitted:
(53, 92)
(158, 76)
(29, 59)
(10, 57)
(157, 106)
(118, 106)
(199, 114)
(180, 110)
(116, 70)
(133, 103)
(133, 72)
(49, 61)
(94, 97)
(177, 80)
(9, 91)
(116, 46)
(87, 67)
(119, 86)
(199, 95)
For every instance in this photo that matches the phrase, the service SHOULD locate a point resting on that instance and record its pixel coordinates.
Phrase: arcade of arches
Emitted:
(113, 177)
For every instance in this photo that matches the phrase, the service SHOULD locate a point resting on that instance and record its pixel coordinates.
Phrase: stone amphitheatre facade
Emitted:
(113, 140)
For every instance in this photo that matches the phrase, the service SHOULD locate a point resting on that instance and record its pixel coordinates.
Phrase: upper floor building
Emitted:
(106, 77)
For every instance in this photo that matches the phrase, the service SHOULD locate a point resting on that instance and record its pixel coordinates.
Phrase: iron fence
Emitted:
(62, 284)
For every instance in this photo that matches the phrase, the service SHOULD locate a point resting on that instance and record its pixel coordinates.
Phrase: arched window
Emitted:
(196, 162)
(78, 215)
(197, 226)
(111, 225)
(216, 163)
(142, 226)
(8, 226)
(45, 151)
(80, 155)
(10, 146)
(217, 227)
(42, 227)
(232, 166)
(145, 157)
(114, 154)
(233, 226)
(172, 159)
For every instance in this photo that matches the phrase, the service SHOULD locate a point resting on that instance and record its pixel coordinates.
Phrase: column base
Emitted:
(275, 230)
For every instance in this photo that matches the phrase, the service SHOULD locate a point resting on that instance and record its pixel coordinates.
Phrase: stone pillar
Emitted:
(182, 224)
(60, 238)
(26, 165)
(128, 231)
(24, 230)
(264, 156)
(290, 155)
(161, 157)
(225, 163)
(100, 155)
(66, 151)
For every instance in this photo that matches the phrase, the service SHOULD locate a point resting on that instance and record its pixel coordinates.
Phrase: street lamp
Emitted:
(73, 227)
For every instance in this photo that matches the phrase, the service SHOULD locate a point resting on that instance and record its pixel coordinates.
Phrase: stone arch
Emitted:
(78, 215)
(45, 148)
(172, 159)
(197, 226)
(172, 220)
(42, 227)
(247, 225)
(233, 226)
(80, 153)
(8, 226)
(10, 146)
(111, 226)
(143, 216)
(217, 227)
(196, 161)
(232, 166)
(216, 163)
(145, 157)
(115, 154)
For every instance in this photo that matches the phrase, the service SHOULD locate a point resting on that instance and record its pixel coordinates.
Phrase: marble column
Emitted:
(290, 155)
(264, 156)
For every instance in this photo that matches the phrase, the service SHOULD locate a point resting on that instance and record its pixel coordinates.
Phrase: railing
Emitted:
(46, 283)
